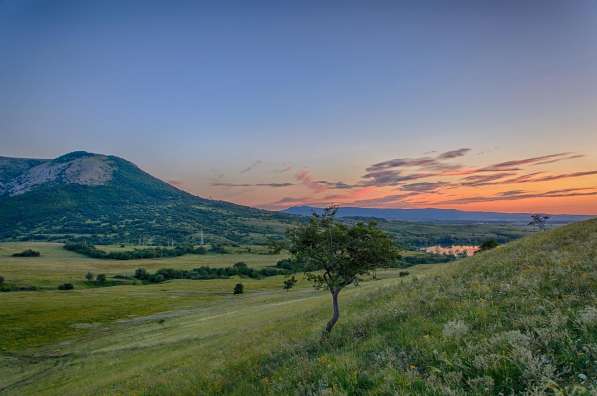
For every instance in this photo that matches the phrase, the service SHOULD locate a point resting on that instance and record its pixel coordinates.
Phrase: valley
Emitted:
(185, 336)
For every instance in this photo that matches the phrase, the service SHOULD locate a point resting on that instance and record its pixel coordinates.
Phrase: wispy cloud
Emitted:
(275, 185)
(307, 180)
(518, 195)
(252, 166)
(454, 153)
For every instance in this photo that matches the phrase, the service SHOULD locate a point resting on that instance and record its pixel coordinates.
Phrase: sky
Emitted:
(472, 105)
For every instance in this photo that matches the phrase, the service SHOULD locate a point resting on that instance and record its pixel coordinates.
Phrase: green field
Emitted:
(521, 318)
(57, 265)
(129, 331)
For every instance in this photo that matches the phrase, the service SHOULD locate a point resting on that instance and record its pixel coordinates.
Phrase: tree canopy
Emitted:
(335, 255)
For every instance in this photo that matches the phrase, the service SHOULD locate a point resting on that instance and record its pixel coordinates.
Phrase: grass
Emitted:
(519, 319)
(57, 265)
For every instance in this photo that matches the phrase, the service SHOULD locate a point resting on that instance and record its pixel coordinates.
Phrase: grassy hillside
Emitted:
(519, 319)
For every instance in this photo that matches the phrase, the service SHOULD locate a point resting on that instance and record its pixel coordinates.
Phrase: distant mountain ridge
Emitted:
(434, 215)
(105, 198)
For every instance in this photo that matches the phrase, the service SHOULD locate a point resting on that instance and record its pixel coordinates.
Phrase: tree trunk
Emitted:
(336, 314)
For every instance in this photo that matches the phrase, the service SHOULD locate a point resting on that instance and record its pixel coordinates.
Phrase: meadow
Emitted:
(521, 318)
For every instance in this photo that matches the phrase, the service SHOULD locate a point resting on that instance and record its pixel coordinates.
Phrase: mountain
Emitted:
(435, 215)
(105, 198)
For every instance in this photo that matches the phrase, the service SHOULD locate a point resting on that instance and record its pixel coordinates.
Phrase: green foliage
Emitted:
(539, 221)
(27, 253)
(276, 245)
(1, 280)
(136, 254)
(100, 278)
(66, 286)
(336, 254)
(89, 276)
(289, 283)
(239, 288)
(413, 235)
(487, 245)
(422, 258)
(204, 273)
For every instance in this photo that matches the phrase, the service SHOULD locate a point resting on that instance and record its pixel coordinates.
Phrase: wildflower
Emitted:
(455, 329)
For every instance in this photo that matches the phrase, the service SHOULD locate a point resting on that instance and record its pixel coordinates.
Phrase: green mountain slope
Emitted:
(108, 199)
(521, 319)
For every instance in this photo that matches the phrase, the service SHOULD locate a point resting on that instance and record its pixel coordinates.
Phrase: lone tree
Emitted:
(289, 283)
(539, 221)
(336, 254)
(239, 288)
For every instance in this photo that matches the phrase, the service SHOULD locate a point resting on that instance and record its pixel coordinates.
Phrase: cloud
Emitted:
(391, 178)
(424, 186)
(337, 185)
(518, 195)
(560, 159)
(483, 180)
(530, 178)
(402, 163)
(283, 170)
(252, 166)
(275, 185)
(513, 165)
(305, 178)
(562, 176)
(454, 153)
(394, 199)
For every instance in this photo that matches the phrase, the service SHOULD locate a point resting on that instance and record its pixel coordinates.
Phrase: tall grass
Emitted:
(521, 319)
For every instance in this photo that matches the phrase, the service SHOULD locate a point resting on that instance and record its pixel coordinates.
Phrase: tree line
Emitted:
(204, 272)
(145, 253)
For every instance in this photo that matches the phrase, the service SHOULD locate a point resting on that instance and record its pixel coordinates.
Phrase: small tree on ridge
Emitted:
(336, 254)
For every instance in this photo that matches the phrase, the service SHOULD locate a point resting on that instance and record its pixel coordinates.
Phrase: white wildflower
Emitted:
(455, 329)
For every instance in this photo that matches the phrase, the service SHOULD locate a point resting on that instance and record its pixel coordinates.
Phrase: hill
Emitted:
(108, 199)
(519, 319)
(435, 215)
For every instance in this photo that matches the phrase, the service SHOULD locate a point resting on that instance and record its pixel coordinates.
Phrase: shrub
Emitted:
(1, 279)
(100, 278)
(487, 245)
(140, 273)
(89, 276)
(66, 286)
(27, 253)
(403, 273)
(239, 288)
(289, 283)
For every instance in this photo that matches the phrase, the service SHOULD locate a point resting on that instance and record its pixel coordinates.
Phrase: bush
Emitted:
(289, 283)
(140, 273)
(100, 278)
(27, 253)
(1, 279)
(487, 245)
(403, 273)
(66, 286)
(89, 276)
(239, 288)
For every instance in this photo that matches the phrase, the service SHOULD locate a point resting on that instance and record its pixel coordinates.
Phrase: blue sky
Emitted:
(197, 93)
